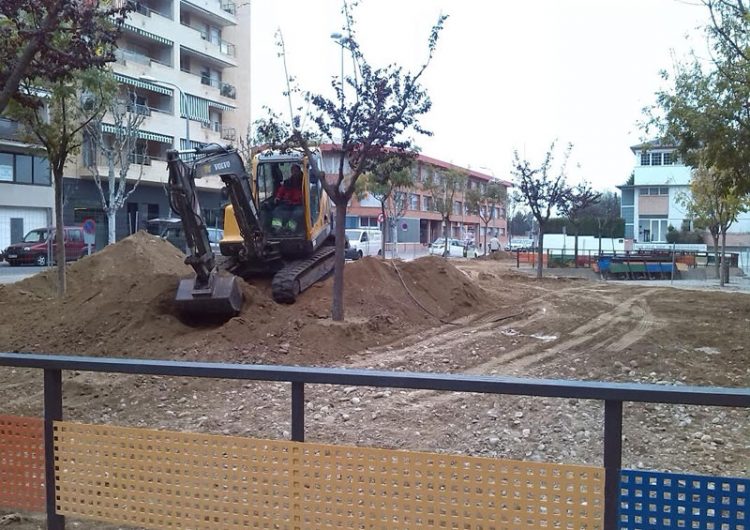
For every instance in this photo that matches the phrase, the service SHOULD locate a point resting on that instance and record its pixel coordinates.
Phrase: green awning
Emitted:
(197, 108)
(143, 135)
(144, 33)
(143, 84)
(220, 106)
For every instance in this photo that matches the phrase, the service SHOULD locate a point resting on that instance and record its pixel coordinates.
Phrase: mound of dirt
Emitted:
(119, 302)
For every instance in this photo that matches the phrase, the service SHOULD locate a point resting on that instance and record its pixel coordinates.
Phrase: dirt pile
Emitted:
(119, 302)
(117, 297)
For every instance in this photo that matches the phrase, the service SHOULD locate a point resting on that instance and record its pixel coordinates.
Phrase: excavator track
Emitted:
(297, 276)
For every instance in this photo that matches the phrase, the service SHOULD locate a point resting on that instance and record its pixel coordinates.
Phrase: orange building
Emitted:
(420, 222)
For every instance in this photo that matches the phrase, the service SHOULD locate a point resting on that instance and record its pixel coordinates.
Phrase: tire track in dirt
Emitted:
(627, 322)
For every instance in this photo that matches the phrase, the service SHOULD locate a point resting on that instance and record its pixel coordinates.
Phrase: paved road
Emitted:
(10, 274)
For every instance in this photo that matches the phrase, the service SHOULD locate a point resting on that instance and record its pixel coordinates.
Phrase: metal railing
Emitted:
(612, 394)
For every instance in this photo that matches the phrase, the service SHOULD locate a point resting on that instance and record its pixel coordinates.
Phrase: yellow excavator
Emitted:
(278, 223)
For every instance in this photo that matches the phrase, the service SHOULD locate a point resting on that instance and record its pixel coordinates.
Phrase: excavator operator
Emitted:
(288, 211)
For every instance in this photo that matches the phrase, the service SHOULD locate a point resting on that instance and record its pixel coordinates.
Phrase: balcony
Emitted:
(218, 12)
(208, 49)
(225, 89)
(147, 11)
(226, 133)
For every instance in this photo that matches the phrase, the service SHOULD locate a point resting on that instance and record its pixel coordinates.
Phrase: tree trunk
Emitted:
(59, 234)
(111, 226)
(382, 231)
(724, 276)
(110, 208)
(446, 230)
(575, 249)
(717, 264)
(337, 306)
(540, 253)
(486, 229)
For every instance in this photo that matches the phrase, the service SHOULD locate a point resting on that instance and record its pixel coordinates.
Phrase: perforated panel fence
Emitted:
(160, 479)
(650, 499)
(22, 463)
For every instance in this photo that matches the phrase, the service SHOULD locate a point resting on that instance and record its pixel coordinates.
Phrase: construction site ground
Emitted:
(477, 316)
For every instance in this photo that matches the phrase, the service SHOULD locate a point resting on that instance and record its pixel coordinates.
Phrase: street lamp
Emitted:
(341, 41)
(151, 79)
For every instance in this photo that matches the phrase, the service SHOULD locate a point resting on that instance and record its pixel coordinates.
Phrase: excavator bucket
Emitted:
(220, 299)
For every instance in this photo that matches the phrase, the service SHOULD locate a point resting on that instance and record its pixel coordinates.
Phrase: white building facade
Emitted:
(654, 201)
(177, 66)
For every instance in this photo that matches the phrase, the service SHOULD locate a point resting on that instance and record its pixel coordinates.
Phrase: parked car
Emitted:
(37, 245)
(175, 235)
(457, 248)
(363, 243)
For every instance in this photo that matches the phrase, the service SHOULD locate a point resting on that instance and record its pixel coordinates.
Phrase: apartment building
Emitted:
(421, 223)
(177, 65)
(652, 203)
(26, 193)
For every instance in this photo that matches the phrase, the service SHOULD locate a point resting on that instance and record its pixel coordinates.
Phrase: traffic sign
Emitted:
(381, 218)
(89, 232)
(404, 227)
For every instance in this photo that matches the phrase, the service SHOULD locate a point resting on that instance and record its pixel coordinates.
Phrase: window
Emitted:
(368, 222)
(655, 159)
(457, 207)
(6, 167)
(75, 235)
(668, 159)
(645, 159)
(663, 191)
(652, 230)
(428, 204)
(152, 211)
(41, 171)
(413, 201)
(24, 169)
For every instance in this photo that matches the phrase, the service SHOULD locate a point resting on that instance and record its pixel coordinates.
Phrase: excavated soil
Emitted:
(477, 316)
(119, 302)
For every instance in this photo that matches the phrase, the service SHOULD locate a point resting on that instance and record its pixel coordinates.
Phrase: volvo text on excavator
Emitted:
(278, 222)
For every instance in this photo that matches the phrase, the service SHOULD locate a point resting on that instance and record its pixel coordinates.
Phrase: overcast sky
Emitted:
(507, 74)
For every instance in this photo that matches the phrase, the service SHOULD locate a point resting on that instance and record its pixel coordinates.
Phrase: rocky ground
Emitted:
(473, 316)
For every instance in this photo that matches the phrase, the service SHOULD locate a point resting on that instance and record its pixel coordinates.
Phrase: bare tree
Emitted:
(373, 124)
(119, 148)
(443, 188)
(389, 183)
(543, 190)
(579, 198)
(486, 203)
(57, 122)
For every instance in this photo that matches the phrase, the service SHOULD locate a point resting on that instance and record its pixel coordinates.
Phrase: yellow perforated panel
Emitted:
(161, 479)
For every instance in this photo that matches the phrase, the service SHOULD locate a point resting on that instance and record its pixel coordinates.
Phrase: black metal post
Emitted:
(52, 413)
(298, 411)
(612, 462)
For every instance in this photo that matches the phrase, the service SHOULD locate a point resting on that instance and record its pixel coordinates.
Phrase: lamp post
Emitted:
(151, 79)
(340, 40)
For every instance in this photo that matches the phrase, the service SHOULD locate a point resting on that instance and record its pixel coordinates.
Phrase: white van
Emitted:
(363, 242)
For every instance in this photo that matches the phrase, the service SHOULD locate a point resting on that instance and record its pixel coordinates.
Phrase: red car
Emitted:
(35, 247)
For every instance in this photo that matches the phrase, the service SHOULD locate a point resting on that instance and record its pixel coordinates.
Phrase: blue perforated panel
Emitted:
(651, 500)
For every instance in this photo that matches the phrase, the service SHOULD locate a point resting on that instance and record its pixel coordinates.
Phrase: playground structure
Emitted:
(626, 265)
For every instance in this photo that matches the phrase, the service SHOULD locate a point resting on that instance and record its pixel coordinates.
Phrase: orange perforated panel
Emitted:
(22, 463)
(160, 479)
